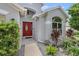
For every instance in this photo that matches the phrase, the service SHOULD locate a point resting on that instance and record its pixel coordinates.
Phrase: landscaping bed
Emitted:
(67, 47)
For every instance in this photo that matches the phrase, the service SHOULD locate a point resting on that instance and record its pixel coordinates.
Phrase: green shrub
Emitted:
(76, 33)
(51, 50)
(71, 46)
(73, 51)
(74, 19)
(66, 44)
(9, 38)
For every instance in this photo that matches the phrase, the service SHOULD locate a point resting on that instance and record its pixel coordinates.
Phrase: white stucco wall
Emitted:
(41, 29)
(49, 17)
(44, 25)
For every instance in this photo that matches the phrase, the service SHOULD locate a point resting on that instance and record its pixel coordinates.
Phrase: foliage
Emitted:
(74, 23)
(69, 33)
(55, 35)
(9, 37)
(76, 33)
(74, 9)
(74, 12)
(51, 50)
(66, 44)
(71, 46)
(73, 51)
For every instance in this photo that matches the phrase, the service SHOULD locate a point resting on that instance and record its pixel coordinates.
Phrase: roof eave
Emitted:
(18, 7)
(59, 7)
(66, 14)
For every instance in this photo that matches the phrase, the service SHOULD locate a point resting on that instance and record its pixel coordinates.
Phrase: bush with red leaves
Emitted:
(69, 33)
(55, 35)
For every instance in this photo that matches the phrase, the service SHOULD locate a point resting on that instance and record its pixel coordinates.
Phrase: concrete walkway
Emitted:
(29, 47)
(32, 50)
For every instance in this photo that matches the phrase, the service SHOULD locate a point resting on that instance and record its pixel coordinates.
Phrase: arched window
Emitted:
(57, 24)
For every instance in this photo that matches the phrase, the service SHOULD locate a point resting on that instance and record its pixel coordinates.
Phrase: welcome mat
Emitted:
(32, 50)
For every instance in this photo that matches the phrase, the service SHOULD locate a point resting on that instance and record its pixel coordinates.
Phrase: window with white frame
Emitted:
(57, 24)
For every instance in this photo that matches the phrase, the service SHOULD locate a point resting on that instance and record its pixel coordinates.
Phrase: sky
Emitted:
(64, 5)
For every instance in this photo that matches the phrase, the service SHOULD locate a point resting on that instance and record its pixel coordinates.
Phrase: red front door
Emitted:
(27, 28)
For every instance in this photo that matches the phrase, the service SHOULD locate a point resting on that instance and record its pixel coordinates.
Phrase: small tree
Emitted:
(74, 12)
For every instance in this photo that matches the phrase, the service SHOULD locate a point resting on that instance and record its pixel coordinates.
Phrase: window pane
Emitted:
(59, 25)
(54, 25)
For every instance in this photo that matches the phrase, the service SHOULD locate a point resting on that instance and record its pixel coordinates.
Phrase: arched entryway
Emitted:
(57, 24)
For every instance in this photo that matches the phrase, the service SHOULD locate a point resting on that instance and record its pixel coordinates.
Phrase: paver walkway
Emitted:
(32, 50)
